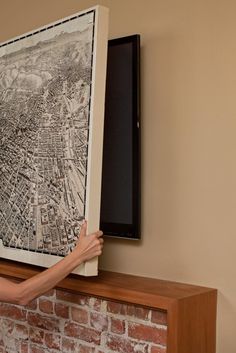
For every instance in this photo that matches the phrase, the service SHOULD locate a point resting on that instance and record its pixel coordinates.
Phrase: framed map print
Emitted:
(52, 89)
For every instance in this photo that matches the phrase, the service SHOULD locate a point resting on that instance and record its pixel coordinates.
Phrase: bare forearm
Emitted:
(39, 284)
(87, 248)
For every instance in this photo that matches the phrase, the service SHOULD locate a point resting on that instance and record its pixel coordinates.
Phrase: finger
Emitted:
(99, 233)
(83, 230)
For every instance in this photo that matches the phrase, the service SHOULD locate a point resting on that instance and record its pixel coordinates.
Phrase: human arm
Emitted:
(87, 247)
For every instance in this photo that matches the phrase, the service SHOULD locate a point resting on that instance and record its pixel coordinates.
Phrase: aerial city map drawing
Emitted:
(48, 141)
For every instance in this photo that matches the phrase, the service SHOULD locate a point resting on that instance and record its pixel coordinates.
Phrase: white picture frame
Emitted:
(50, 174)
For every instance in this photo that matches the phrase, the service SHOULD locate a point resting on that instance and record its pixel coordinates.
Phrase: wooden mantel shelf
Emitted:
(191, 310)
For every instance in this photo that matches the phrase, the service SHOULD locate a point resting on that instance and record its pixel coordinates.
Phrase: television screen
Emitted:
(120, 199)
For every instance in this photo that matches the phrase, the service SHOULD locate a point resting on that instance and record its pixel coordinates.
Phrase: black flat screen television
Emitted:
(120, 198)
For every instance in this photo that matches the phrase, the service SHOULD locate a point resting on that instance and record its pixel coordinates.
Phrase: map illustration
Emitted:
(45, 89)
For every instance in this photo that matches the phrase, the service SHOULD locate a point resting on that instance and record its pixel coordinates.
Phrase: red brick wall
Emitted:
(65, 322)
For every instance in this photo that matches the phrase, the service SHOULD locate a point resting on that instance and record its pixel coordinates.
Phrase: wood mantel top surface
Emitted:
(145, 291)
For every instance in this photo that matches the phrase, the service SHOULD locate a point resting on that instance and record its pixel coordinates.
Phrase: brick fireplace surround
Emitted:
(111, 313)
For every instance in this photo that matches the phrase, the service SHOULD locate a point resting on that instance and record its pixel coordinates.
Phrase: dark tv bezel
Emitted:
(132, 230)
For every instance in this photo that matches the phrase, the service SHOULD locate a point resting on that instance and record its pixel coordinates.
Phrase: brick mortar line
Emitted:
(126, 318)
(132, 338)
(87, 308)
(101, 310)
(63, 321)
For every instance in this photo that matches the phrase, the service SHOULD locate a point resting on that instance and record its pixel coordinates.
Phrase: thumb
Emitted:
(83, 230)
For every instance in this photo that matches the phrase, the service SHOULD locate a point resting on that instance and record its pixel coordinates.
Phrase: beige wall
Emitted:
(188, 138)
